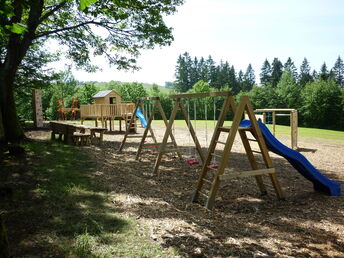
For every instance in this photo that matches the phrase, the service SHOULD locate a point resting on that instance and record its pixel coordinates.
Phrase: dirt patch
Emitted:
(243, 223)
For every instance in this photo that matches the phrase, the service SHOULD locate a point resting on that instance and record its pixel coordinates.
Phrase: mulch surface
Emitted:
(243, 223)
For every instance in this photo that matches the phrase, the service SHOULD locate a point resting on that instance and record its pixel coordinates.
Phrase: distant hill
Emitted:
(147, 86)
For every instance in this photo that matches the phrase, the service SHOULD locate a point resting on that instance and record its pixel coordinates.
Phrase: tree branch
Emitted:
(52, 11)
(64, 29)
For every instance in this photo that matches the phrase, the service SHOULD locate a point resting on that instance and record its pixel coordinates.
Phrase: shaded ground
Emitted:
(243, 223)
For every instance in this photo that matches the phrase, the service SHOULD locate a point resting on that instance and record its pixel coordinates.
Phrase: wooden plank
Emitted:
(149, 98)
(247, 173)
(201, 95)
(274, 109)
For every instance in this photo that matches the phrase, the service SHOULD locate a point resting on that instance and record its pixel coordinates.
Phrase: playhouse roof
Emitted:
(102, 94)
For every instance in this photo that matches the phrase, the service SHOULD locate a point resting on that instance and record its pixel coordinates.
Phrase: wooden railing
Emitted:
(106, 110)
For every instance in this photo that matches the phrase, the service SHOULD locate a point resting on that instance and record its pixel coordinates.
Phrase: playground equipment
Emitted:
(298, 161)
(107, 107)
(147, 125)
(211, 177)
(63, 110)
(269, 116)
(179, 105)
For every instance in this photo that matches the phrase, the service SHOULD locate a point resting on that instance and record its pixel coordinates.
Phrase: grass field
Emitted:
(310, 133)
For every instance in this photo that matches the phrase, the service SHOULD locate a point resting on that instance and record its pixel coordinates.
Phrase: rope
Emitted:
(195, 123)
(214, 118)
(188, 107)
(206, 123)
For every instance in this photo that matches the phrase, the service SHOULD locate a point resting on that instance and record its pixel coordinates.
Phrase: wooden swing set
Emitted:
(211, 176)
(156, 107)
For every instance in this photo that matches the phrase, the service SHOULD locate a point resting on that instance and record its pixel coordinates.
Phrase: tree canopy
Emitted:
(116, 29)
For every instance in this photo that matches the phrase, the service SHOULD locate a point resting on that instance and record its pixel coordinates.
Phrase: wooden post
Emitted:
(273, 123)
(294, 125)
(37, 108)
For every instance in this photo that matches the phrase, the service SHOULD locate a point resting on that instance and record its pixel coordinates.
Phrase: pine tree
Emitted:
(203, 70)
(249, 79)
(240, 79)
(211, 71)
(265, 75)
(324, 73)
(232, 81)
(338, 70)
(305, 73)
(276, 72)
(290, 66)
(194, 72)
(182, 73)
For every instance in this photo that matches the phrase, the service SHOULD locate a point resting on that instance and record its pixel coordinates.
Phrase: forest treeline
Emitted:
(318, 95)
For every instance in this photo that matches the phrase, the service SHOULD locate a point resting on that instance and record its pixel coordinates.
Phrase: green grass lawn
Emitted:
(280, 129)
(303, 132)
(67, 214)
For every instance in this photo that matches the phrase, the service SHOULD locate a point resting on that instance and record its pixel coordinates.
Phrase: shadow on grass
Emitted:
(54, 197)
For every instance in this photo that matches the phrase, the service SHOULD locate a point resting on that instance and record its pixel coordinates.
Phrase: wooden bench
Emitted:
(81, 138)
(72, 133)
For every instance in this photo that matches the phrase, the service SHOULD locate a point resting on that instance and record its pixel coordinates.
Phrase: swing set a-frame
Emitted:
(156, 108)
(210, 176)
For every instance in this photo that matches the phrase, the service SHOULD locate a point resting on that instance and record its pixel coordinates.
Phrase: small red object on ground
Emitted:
(192, 162)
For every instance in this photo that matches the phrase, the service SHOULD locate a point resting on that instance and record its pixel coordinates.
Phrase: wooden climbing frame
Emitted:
(222, 173)
(292, 113)
(156, 107)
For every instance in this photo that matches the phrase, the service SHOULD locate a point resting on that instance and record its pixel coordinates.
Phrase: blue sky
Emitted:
(242, 32)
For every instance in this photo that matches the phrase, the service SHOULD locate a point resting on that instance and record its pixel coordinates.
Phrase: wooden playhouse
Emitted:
(108, 106)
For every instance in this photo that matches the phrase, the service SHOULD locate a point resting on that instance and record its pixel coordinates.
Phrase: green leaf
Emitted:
(85, 3)
(18, 28)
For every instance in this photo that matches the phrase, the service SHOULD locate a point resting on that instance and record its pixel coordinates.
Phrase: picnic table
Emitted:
(73, 133)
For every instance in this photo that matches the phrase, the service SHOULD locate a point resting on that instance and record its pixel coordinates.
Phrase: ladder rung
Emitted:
(228, 128)
(251, 140)
(134, 136)
(256, 152)
(215, 155)
(245, 128)
(224, 129)
(204, 194)
(207, 181)
(220, 142)
(256, 172)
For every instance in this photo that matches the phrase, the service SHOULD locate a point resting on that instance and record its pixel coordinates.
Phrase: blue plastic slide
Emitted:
(298, 161)
(141, 117)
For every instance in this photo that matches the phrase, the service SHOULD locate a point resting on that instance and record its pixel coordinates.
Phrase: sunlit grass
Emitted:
(311, 133)
(76, 212)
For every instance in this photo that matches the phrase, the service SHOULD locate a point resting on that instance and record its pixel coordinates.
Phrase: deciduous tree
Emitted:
(127, 26)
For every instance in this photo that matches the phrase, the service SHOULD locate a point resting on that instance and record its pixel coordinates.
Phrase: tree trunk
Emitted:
(12, 129)
(4, 248)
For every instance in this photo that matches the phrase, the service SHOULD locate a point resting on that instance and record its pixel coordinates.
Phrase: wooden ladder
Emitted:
(210, 177)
